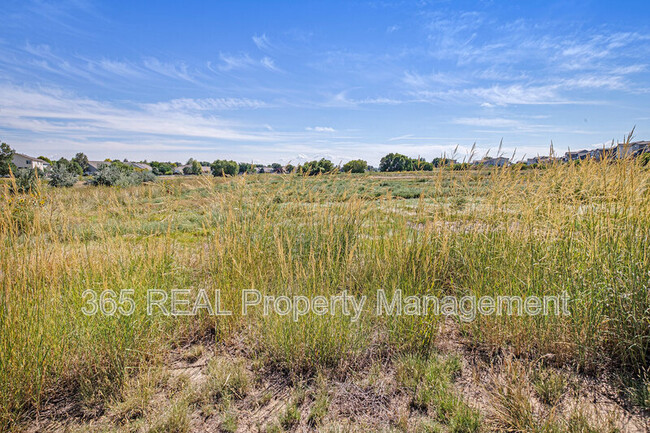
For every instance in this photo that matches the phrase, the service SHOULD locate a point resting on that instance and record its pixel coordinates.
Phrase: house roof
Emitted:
(96, 164)
(31, 158)
(141, 165)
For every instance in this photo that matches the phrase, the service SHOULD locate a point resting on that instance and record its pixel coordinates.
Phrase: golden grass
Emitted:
(582, 229)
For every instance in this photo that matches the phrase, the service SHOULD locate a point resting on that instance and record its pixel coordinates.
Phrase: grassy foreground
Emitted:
(580, 229)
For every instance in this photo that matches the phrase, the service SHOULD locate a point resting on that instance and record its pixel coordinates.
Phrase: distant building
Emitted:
(535, 160)
(575, 156)
(24, 161)
(541, 160)
(494, 162)
(140, 166)
(179, 169)
(269, 169)
(635, 149)
(600, 154)
(93, 166)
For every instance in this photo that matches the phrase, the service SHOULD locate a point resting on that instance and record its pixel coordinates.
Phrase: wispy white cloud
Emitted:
(598, 50)
(231, 62)
(122, 69)
(207, 104)
(238, 61)
(320, 129)
(483, 121)
(498, 95)
(517, 94)
(444, 80)
(341, 99)
(171, 70)
(42, 56)
(612, 82)
(262, 42)
(54, 111)
(269, 64)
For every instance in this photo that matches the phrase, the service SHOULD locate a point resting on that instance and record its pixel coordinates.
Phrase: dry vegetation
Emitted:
(583, 229)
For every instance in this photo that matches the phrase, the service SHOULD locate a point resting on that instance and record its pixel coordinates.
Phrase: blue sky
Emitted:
(288, 81)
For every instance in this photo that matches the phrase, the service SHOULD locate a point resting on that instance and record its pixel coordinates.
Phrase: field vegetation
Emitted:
(583, 229)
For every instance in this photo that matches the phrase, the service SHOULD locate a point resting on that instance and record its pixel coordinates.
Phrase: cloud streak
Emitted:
(52, 111)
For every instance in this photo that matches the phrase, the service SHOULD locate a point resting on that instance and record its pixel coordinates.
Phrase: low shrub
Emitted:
(25, 181)
(121, 175)
(62, 177)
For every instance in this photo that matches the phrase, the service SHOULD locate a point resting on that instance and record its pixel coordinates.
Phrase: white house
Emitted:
(25, 161)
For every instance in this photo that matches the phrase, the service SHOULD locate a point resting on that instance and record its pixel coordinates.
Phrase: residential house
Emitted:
(600, 154)
(93, 166)
(494, 162)
(624, 150)
(140, 166)
(531, 161)
(575, 156)
(540, 160)
(179, 169)
(24, 161)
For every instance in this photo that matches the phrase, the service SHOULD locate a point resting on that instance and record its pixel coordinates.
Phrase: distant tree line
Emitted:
(65, 173)
(399, 162)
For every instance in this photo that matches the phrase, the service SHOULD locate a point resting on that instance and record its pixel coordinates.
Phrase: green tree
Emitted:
(312, 168)
(289, 168)
(396, 162)
(76, 168)
(72, 166)
(161, 168)
(6, 159)
(355, 166)
(81, 159)
(245, 167)
(196, 167)
(193, 167)
(221, 167)
(121, 166)
(420, 164)
(440, 162)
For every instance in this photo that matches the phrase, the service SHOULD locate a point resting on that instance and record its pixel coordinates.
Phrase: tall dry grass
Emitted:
(581, 228)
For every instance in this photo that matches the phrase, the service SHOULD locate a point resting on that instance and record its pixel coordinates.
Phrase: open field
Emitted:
(583, 230)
